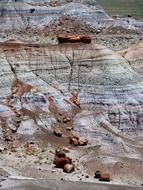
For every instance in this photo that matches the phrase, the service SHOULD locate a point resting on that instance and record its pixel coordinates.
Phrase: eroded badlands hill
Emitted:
(87, 89)
(39, 81)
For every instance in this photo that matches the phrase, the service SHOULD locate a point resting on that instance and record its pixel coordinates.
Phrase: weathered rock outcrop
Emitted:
(92, 87)
(102, 78)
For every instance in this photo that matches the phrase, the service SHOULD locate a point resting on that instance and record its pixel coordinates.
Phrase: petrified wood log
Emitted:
(74, 39)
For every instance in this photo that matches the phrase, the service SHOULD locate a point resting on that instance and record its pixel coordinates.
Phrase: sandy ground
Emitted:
(60, 185)
(20, 170)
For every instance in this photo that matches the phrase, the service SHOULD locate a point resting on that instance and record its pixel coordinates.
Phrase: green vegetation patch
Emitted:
(123, 7)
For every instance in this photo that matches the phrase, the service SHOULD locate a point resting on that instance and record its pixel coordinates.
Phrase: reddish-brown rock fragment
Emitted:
(61, 162)
(104, 176)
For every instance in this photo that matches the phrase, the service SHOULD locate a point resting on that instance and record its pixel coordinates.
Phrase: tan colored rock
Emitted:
(14, 129)
(57, 132)
(74, 135)
(82, 141)
(66, 119)
(8, 137)
(74, 141)
(18, 114)
(2, 148)
(68, 168)
(59, 119)
(18, 121)
(65, 149)
(69, 128)
(75, 100)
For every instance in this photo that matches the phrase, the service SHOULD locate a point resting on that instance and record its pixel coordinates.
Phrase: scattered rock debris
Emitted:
(62, 161)
(30, 148)
(78, 141)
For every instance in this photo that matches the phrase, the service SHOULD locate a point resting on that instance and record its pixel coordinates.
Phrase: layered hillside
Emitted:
(101, 77)
(20, 15)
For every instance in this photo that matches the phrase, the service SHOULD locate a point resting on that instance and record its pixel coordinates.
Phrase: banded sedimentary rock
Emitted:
(93, 86)
(102, 78)
(134, 55)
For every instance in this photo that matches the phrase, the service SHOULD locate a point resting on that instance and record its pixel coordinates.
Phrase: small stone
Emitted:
(74, 141)
(68, 168)
(69, 128)
(68, 30)
(60, 113)
(82, 141)
(2, 148)
(31, 142)
(59, 119)
(74, 135)
(14, 130)
(18, 114)
(57, 132)
(60, 153)
(98, 31)
(104, 176)
(18, 121)
(61, 162)
(97, 174)
(66, 119)
(65, 149)
(8, 138)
